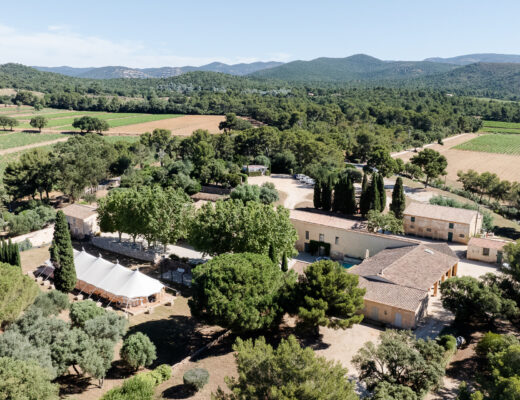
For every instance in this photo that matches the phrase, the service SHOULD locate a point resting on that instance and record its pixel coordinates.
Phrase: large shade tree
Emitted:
(287, 372)
(431, 162)
(241, 291)
(232, 226)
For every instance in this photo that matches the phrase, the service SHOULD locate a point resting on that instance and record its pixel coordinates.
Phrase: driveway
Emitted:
(293, 193)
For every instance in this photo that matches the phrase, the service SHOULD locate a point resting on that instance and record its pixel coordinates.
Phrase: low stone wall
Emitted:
(37, 238)
(126, 248)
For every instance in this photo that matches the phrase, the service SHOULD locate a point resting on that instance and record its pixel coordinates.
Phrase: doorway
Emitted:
(450, 236)
(398, 320)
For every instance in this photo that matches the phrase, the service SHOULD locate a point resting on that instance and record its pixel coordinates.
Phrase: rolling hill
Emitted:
(359, 67)
(477, 58)
(114, 72)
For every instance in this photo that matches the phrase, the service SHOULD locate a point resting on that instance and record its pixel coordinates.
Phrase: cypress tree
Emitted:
(364, 201)
(373, 194)
(339, 194)
(272, 254)
(16, 258)
(398, 200)
(285, 263)
(326, 195)
(2, 251)
(61, 250)
(10, 253)
(317, 194)
(382, 192)
(350, 206)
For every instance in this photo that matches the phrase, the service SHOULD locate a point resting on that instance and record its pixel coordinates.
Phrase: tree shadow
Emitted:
(73, 384)
(178, 392)
(175, 338)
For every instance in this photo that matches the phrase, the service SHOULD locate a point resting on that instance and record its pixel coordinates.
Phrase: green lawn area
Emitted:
(16, 139)
(493, 143)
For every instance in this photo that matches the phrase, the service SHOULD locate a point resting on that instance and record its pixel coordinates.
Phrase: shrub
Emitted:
(138, 351)
(161, 374)
(17, 292)
(448, 342)
(51, 303)
(25, 245)
(141, 386)
(82, 311)
(196, 378)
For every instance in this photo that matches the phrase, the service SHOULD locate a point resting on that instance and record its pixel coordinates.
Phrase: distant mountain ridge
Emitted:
(114, 72)
(477, 58)
(356, 68)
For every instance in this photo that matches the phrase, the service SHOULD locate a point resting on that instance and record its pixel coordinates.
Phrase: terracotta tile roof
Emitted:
(417, 267)
(449, 214)
(80, 211)
(393, 295)
(487, 243)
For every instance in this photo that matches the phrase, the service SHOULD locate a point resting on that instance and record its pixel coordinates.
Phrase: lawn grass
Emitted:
(16, 139)
(493, 143)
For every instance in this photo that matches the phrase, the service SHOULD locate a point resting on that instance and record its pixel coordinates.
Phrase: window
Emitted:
(322, 237)
(306, 234)
(485, 251)
(428, 229)
(336, 241)
(451, 225)
(461, 235)
(412, 226)
(413, 219)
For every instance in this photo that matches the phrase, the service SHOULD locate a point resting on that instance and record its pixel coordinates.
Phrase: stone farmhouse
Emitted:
(82, 220)
(443, 223)
(400, 281)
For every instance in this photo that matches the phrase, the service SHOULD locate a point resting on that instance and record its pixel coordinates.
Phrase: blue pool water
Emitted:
(347, 265)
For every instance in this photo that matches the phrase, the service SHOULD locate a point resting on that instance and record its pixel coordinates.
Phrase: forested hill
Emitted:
(476, 58)
(501, 81)
(359, 67)
(114, 72)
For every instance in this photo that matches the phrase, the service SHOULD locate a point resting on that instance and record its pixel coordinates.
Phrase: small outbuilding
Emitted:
(82, 220)
(443, 223)
(487, 250)
(255, 170)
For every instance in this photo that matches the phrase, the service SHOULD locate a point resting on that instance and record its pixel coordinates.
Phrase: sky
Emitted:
(156, 33)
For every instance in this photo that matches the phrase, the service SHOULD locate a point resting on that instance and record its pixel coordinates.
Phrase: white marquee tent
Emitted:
(113, 281)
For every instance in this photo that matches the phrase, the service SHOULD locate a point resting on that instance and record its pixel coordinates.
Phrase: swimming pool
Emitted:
(347, 265)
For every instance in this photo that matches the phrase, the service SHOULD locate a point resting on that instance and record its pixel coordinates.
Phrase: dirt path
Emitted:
(30, 146)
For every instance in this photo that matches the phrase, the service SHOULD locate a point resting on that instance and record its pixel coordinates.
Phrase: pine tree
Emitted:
(65, 271)
(364, 201)
(285, 263)
(317, 194)
(382, 192)
(373, 194)
(350, 206)
(398, 200)
(326, 195)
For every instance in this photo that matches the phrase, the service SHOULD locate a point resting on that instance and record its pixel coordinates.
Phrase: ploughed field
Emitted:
(478, 157)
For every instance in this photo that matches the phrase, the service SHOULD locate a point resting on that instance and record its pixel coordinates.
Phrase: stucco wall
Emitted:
(350, 243)
(79, 228)
(477, 253)
(387, 314)
(437, 229)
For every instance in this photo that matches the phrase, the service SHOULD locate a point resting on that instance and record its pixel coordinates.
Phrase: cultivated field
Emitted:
(493, 143)
(501, 127)
(17, 139)
(181, 126)
(504, 165)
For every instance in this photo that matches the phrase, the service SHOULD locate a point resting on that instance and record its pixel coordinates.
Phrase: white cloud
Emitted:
(58, 45)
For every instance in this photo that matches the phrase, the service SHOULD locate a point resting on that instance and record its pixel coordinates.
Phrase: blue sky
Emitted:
(156, 33)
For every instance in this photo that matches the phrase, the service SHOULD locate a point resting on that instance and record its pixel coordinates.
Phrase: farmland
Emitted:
(501, 127)
(494, 143)
(17, 139)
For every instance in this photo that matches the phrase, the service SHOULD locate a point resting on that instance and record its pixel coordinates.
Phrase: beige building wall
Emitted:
(439, 229)
(390, 315)
(79, 228)
(477, 253)
(345, 242)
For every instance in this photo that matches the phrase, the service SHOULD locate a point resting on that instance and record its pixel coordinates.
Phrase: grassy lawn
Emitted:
(16, 139)
(496, 143)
